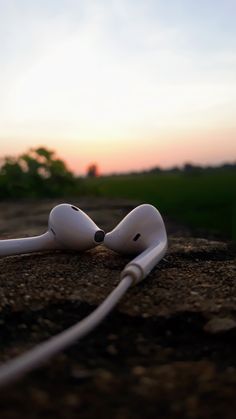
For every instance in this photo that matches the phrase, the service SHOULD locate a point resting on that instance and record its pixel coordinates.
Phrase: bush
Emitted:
(37, 173)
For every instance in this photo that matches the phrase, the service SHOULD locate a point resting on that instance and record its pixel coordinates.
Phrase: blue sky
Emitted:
(106, 74)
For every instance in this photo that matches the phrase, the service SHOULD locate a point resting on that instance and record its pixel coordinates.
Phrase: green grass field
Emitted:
(205, 199)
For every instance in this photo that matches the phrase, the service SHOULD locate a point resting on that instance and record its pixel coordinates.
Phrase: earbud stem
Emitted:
(27, 245)
(140, 267)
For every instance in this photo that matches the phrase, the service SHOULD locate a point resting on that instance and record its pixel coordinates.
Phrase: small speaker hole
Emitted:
(74, 208)
(136, 237)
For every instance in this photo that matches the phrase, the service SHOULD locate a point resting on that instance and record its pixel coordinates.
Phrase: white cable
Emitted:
(12, 370)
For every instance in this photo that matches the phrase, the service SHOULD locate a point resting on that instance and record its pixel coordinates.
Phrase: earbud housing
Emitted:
(142, 232)
(68, 228)
(72, 228)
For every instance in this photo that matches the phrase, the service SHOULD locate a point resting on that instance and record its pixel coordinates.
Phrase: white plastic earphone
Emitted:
(141, 232)
(68, 228)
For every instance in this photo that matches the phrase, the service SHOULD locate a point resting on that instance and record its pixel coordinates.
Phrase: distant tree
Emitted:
(174, 169)
(36, 173)
(156, 169)
(92, 170)
(192, 169)
(12, 178)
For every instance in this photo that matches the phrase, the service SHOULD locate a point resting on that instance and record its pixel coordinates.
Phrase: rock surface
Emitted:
(166, 351)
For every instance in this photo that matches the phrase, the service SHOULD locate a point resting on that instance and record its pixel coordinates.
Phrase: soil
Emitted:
(166, 351)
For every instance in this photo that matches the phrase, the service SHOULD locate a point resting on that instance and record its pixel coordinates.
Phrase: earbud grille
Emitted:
(99, 236)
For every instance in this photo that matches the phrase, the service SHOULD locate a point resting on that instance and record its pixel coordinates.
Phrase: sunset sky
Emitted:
(128, 84)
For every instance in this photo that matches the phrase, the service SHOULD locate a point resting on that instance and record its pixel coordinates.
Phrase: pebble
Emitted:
(219, 325)
(112, 350)
(112, 337)
(139, 370)
(72, 400)
(80, 373)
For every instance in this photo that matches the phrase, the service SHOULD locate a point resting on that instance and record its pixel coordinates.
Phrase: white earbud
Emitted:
(68, 228)
(141, 232)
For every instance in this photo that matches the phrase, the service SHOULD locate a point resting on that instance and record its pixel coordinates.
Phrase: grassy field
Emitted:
(205, 199)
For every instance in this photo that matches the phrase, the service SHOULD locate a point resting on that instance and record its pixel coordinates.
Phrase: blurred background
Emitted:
(121, 99)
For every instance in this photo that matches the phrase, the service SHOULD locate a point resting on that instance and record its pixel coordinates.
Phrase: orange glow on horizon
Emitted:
(119, 84)
(204, 147)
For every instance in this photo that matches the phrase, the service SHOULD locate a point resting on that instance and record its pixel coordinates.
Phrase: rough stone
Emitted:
(167, 350)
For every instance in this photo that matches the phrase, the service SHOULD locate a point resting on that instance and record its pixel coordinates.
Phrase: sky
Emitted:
(127, 84)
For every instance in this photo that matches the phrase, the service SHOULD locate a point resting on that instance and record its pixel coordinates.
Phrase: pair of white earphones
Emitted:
(142, 232)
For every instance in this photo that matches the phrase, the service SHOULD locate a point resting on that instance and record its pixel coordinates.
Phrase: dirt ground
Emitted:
(166, 351)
